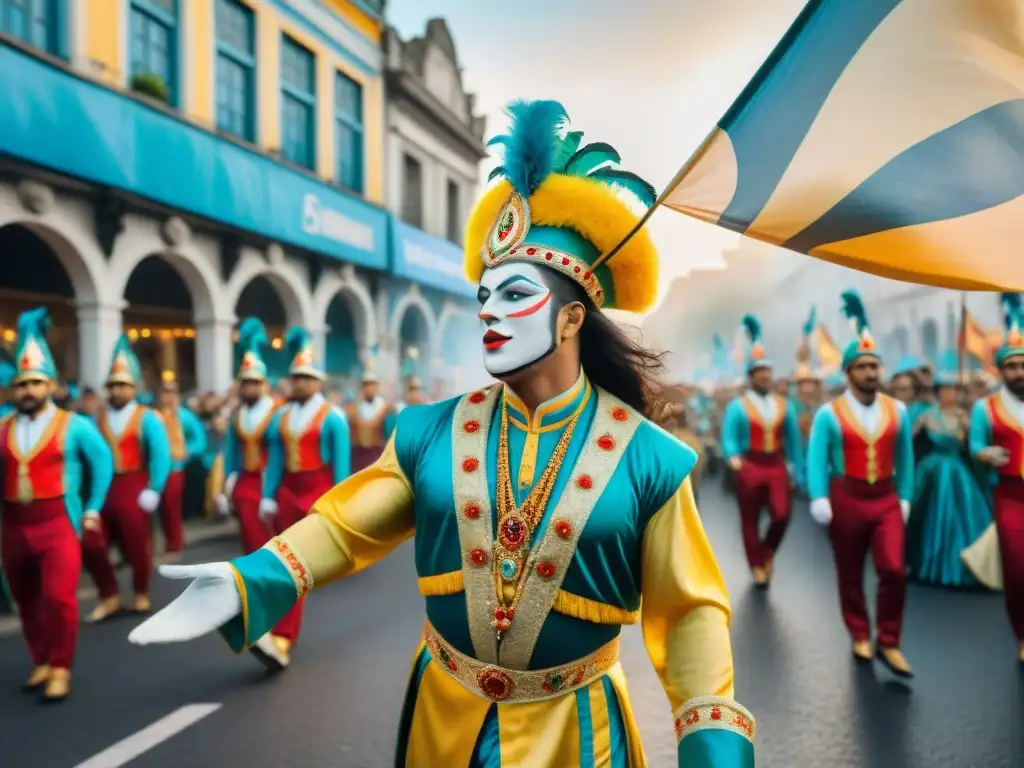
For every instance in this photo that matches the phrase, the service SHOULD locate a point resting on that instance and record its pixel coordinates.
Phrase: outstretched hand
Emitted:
(209, 602)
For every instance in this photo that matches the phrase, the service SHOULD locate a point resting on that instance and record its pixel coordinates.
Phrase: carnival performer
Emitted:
(997, 440)
(808, 396)
(138, 441)
(761, 444)
(413, 394)
(308, 454)
(247, 439)
(949, 510)
(188, 441)
(594, 508)
(860, 478)
(368, 418)
(43, 450)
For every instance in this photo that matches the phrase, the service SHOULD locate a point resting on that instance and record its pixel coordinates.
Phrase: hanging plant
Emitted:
(150, 85)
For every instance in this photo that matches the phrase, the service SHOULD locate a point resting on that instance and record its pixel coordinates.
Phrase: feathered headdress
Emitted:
(252, 338)
(756, 357)
(864, 343)
(1013, 321)
(299, 345)
(33, 359)
(556, 204)
(803, 351)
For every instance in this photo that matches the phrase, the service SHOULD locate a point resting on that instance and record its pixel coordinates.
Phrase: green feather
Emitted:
(627, 181)
(565, 149)
(499, 171)
(590, 158)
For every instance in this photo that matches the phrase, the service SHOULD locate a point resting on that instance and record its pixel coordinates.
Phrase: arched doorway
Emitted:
(342, 351)
(414, 343)
(160, 322)
(32, 275)
(262, 300)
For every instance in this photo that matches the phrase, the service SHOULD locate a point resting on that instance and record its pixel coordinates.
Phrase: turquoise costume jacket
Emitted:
(736, 434)
(335, 449)
(156, 448)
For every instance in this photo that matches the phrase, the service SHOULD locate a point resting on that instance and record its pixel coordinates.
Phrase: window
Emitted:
(454, 213)
(348, 131)
(32, 21)
(154, 42)
(236, 69)
(298, 104)
(412, 191)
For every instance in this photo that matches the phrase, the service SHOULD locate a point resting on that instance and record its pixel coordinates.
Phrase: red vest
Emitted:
(126, 447)
(252, 444)
(40, 473)
(766, 437)
(175, 434)
(869, 457)
(1008, 434)
(302, 452)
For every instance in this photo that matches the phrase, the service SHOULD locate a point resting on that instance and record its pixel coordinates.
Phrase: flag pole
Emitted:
(962, 352)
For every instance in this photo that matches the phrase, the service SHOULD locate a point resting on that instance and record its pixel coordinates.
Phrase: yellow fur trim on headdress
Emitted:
(596, 213)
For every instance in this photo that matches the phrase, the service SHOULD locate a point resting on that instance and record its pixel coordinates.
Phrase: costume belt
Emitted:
(518, 686)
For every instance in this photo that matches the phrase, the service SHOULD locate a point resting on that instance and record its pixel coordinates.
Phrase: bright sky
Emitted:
(652, 82)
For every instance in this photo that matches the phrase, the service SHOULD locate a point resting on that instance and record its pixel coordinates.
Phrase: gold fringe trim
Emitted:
(441, 584)
(586, 609)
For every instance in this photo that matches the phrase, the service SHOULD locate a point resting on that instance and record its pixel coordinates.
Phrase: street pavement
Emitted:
(338, 704)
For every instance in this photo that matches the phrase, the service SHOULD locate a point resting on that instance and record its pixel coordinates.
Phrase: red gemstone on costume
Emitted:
(452, 667)
(495, 684)
(587, 275)
(585, 482)
(578, 678)
(470, 465)
(477, 397)
(510, 613)
(576, 270)
(716, 713)
(478, 557)
(471, 426)
(549, 255)
(472, 511)
(545, 570)
(499, 614)
(605, 442)
(513, 532)
(620, 414)
(530, 251)
(563, 529)
(565, 261)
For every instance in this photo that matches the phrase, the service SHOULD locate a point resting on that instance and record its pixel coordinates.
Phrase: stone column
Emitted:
(99, 326)
(214, 353)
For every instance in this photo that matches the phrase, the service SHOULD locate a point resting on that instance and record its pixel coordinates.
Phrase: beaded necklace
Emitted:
(517, 524)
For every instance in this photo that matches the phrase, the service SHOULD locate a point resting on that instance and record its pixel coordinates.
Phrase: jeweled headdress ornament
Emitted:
(557, 203)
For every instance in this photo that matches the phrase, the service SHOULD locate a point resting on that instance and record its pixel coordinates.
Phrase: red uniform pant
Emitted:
(126, 525)
(762, 483)
(298, 492)
(245, 498)
(170, 511)
(1008, 501)
(42, 560)
(867, 517)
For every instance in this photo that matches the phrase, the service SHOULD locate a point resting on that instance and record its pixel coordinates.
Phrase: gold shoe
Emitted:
(107, 607)
(143, 604)
(862, 650)
(38, 678)
(894, 659)
(283, 644)
(59, 685)
(268, 651)
(760, 576)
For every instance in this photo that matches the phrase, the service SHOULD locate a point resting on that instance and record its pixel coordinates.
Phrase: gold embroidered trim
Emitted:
(441, 584)
(244, 596)
(291, 560)
(570, 265)
(613, 427)
(515, 686)
(471, 425)
(578, 607)
(714, 712)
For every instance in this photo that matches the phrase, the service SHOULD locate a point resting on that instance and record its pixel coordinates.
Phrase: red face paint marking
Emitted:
(530, 310)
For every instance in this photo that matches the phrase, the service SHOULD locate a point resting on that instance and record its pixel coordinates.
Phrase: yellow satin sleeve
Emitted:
(356, 523)
(685, 614)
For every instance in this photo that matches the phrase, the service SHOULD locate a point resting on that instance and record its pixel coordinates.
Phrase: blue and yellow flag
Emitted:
(885, 136)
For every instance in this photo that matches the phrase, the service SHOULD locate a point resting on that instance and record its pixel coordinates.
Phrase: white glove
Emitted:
(209, 602)
(905, 510)
(821, 511)
(268, 508)
(229, 484)
(149, 500)
(222, 504)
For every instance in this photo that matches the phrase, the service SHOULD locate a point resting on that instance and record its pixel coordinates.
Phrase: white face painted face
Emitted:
(517, 317)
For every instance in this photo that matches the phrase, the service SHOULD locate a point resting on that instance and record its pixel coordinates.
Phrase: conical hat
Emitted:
(33, 359)
(124, 365)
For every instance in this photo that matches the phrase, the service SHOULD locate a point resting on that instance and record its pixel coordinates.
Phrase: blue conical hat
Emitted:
(756, 355)
(908, 364)
(300, 349)
(252, 337)
(33, 360)
(1013, 320)
(949, 368)
(124, 365)
(863, 344)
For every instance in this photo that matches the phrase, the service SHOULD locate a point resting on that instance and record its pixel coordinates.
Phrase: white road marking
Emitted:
(142, 741)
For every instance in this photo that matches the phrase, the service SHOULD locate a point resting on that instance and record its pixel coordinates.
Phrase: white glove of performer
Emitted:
(209, 602)
(229, 484)
(149, 500)
(905, 510)
(268, 508)
(821, 511)
(222, 504)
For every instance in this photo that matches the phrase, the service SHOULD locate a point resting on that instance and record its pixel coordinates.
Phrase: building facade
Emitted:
(171, 166)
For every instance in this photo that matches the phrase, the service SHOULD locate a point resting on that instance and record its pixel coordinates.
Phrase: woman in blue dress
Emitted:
(949, 510)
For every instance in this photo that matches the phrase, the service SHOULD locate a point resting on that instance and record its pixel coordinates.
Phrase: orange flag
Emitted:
(829, 356)
(977, 341)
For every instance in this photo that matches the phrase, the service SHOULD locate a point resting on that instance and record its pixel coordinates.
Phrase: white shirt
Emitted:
(1013, 404)
(299, 416)
(118, 420)
(28, 430)
(766, 405)
(252, 415)
(368, 411)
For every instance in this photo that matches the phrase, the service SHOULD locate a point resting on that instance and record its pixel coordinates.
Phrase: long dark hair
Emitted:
(610, 359)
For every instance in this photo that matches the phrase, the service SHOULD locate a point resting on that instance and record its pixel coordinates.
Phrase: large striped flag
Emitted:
(882, 135)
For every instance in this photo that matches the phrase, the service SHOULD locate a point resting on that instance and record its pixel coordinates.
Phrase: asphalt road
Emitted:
(339, 702)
